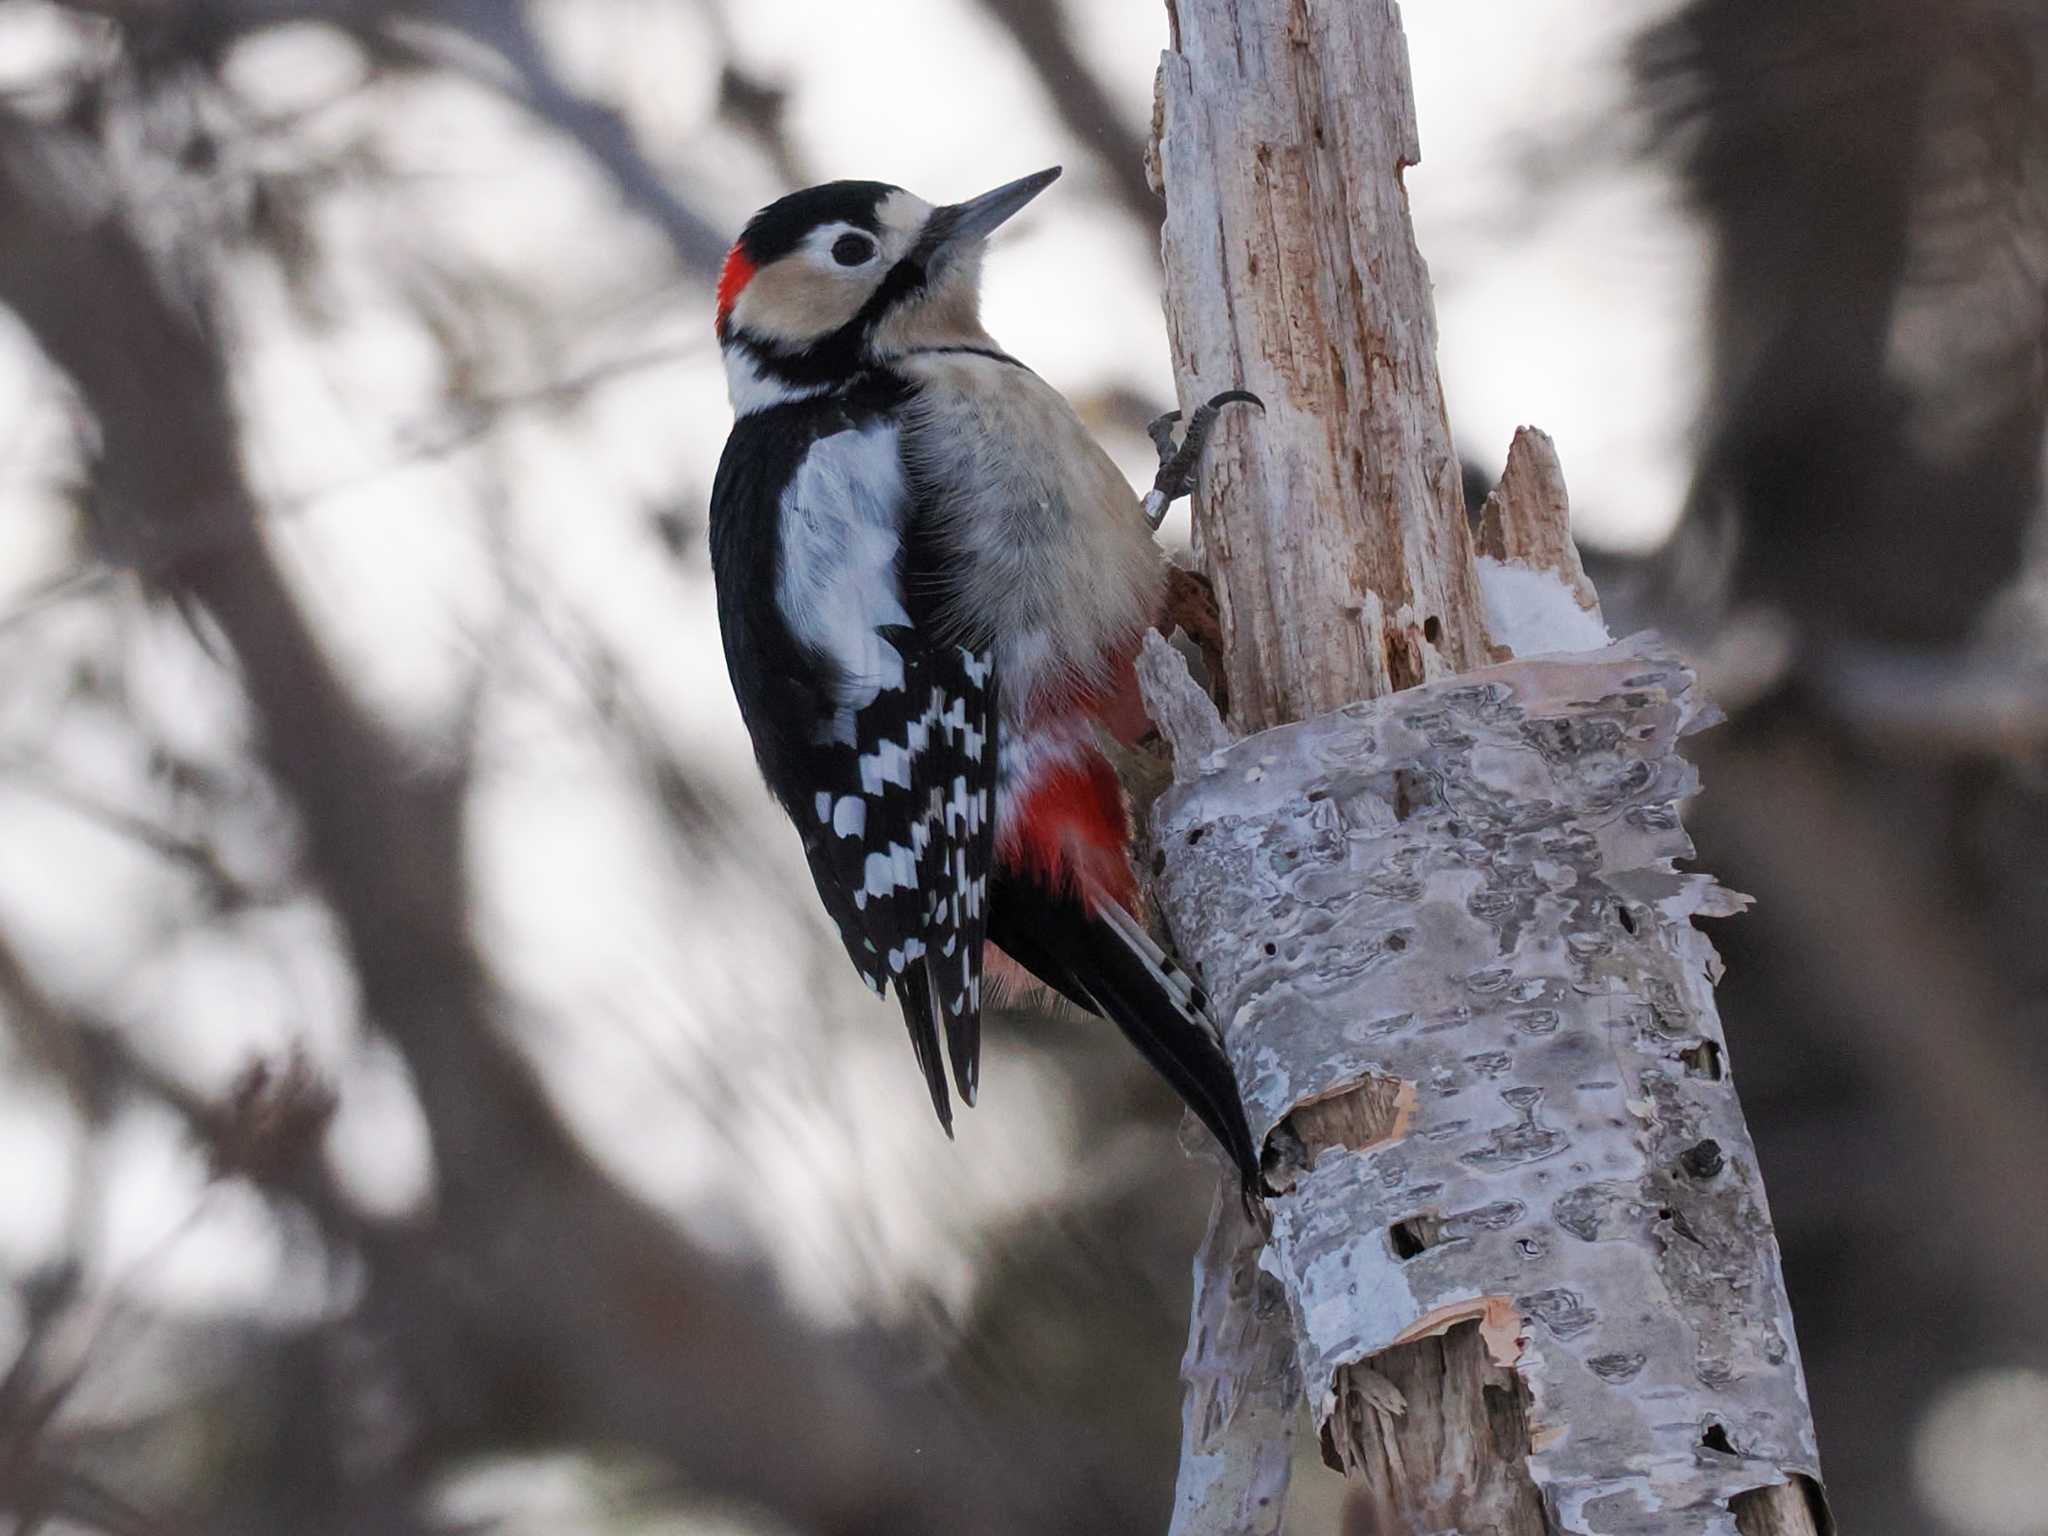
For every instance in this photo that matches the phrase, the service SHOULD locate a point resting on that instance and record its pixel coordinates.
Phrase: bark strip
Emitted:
(1244, 1394)
(1469, 889)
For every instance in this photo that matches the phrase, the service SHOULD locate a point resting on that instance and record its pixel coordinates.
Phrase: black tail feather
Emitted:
(963, 1044)
(1093, 965)
(914, 991)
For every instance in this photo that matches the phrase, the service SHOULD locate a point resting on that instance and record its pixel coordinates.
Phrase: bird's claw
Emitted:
(1161, 433)
(1178, 464)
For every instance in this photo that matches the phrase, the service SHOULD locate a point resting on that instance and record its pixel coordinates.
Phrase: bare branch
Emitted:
(1518, 1220)
(1040, 29)
(401, 28)
(504, 27)
(1243, 1398)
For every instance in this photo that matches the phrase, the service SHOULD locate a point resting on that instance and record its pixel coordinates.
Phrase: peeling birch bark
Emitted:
(1468, 890)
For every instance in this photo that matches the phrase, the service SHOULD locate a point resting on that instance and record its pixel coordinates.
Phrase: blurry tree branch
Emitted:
(35, 1493)
(542, 1302)
(1926, 1003)
(505, 28)
(1877, 307)
(406, 29)
(1043, 31)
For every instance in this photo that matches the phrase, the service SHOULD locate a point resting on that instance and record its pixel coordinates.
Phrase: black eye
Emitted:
(852, 250)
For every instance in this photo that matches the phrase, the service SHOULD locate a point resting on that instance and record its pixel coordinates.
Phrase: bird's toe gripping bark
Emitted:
(1177, 465)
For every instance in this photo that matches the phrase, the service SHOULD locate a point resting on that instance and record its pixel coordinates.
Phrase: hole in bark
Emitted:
(1272, 949)
(1318, 794)
(1411, 790)
(1702, 1060)
(1703, 1160)
(1628, 918)
(1397, 942)
(1716, 1439)
(1415, 1234)
(1195, 836)
(1404, 658)
(1433, 630)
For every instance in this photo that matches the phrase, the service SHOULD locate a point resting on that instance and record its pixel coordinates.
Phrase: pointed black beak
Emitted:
(978, 217)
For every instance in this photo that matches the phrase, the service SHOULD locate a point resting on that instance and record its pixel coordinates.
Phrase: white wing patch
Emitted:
(849, 815)
(842, 528)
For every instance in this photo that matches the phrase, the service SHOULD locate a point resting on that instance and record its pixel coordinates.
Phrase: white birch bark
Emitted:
(1468, 890)
(1530, 1277)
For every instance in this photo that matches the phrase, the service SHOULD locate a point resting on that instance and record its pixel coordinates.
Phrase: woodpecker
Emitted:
(931, 586)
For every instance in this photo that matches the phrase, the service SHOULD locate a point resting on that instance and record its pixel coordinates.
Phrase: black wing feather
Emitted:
(897, 825)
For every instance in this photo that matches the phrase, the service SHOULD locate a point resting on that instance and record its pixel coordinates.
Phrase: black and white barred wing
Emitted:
(901, 842)
(902, 853)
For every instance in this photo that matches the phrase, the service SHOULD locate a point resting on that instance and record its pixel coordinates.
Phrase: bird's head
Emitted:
(826, 281)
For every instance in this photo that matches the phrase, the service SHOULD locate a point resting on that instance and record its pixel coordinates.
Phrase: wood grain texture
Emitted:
(1285, 129)
(1528, 520)
(1243, 1397)
(1785, 1509)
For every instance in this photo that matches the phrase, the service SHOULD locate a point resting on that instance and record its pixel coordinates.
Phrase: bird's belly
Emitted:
(1043, 544)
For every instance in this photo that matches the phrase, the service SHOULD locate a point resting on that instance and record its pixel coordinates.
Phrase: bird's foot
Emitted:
(1179, 462)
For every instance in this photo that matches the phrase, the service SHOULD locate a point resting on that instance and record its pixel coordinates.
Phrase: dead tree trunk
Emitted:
(1528, 1274)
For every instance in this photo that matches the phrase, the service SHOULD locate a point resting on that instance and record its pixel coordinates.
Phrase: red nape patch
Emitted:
(1070, 832)
(737, 272)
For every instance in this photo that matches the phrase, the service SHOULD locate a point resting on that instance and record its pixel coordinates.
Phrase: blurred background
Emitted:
(430, 1100)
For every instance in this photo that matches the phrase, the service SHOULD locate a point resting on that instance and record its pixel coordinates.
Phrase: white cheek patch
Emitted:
(841, 532)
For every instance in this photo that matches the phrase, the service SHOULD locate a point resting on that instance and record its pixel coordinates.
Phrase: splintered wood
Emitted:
(1294, 274)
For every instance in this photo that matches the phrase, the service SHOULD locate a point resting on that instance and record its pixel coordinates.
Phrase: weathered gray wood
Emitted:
(1242, 1402)
(1244, 1395)
(1292, 272)
(1786, 1509)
